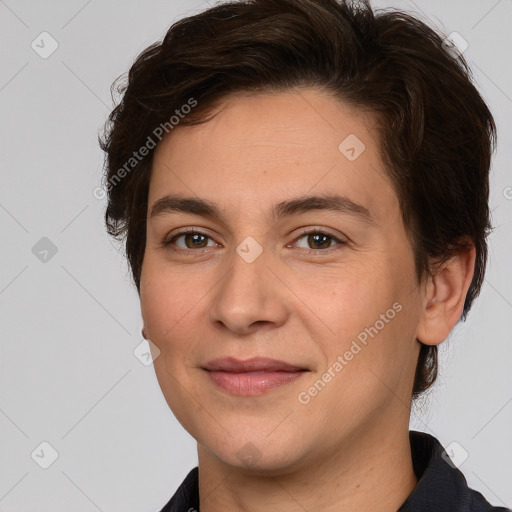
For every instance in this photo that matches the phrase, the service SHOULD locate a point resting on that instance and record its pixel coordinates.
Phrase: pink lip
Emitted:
(253, 376)
(255, 364)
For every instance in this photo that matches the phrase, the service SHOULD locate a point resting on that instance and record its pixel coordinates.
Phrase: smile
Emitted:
(252, 383)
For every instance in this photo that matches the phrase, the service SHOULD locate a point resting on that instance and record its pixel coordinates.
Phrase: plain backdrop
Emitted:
(70, 319)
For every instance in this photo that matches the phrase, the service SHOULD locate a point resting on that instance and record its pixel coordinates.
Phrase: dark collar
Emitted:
(441, 487)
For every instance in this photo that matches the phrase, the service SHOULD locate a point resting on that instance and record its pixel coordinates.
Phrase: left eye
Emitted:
(320, 239)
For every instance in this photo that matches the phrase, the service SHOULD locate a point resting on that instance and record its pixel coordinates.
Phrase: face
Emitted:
(325, 285)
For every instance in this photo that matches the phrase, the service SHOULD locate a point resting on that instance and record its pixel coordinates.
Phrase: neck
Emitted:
(373, 471)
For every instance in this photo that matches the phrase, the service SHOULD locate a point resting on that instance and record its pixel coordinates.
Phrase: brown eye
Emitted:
(319, 239)
(194, 240)
(191, 240)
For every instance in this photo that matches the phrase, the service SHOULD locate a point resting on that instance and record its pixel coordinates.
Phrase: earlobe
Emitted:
(144, 333)
(445, 295)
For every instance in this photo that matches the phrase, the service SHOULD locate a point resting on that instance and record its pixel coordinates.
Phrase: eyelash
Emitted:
(302, 251)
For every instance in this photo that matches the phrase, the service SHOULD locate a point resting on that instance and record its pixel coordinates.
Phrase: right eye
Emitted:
(192, 239)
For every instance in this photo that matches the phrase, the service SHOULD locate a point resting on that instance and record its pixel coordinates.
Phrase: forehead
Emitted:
(274, 145)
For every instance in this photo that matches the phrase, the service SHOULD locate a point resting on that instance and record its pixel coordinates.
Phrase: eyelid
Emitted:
(317, 230)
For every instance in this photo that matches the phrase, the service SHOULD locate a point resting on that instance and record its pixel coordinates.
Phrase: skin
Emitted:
(348, 447)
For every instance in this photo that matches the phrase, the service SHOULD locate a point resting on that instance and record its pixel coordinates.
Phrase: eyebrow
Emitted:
(295, 206)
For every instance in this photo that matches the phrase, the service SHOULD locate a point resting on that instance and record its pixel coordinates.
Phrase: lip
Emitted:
(255, 364)
(253, 376)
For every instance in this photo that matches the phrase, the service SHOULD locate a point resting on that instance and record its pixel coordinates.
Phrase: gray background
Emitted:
(70, 324)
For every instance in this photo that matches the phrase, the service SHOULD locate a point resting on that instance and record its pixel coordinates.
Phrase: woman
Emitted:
(303, 187)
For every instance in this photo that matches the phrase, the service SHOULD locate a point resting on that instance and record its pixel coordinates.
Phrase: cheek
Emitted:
(164, 302)
(351, 301)
(167, 311)
(370, 315)
(174, 306)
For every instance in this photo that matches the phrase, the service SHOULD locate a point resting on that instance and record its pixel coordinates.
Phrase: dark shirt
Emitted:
(441, 487)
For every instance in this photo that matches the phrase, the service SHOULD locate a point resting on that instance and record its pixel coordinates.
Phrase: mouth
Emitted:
(253, 376)
(256, 364)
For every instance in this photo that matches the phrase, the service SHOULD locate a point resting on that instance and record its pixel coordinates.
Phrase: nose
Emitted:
(249, 295)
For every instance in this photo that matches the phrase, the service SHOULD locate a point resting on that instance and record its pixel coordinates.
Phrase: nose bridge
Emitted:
(248, 293)
(246, 278)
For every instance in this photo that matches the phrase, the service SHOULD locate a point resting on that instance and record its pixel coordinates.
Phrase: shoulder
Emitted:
(441, 485)
(186, 497)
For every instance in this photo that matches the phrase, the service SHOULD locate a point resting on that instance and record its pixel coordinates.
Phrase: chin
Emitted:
(256, 456)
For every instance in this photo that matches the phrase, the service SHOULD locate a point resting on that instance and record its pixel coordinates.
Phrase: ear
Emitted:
(444, 297)
(144, 333)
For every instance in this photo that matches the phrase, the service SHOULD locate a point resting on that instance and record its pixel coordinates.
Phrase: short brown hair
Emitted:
(435, 131)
